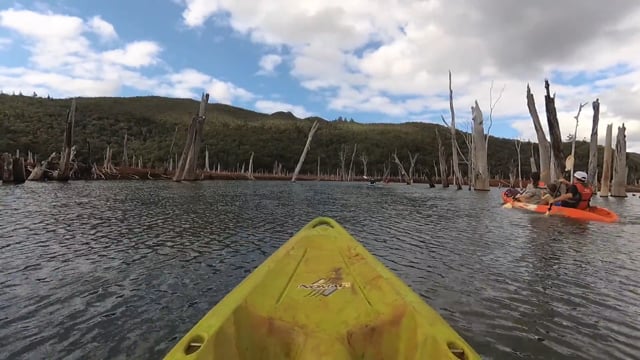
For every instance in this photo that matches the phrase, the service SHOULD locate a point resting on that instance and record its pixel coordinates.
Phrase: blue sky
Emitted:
(366, 60)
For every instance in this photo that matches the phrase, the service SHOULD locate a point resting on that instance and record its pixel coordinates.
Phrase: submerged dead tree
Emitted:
(250, 171)
(480, 164)
(593, 145)
(518, 144)
(532, 159)
(312, 131)
(353, 156)
(619, 188)
(403, 173)
(544, 147)
(343, 159)
(412, 160)
(457, 178)
(557, 155)
(64, 167)
(605, 182)
(186, 168)
(125, 158)
(363, 158)
(206, 159)
(442, 159)
(7, 167)
(573, 138)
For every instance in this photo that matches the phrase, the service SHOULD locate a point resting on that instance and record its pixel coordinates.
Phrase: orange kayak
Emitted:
(593, 213)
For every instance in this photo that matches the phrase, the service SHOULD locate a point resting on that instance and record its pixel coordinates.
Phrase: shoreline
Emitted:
(124, 174)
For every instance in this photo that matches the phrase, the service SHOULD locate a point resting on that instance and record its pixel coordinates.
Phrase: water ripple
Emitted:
(121, 270)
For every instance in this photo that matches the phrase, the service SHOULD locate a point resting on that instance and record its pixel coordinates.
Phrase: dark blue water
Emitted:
(121, 270)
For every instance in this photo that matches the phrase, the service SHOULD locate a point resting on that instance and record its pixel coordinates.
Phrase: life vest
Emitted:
(542, 185)
(585, 195)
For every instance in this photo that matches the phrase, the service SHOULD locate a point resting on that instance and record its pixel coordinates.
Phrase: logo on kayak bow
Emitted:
(326, 286)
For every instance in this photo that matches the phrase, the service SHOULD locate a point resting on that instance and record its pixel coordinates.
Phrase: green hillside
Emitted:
(231, 134)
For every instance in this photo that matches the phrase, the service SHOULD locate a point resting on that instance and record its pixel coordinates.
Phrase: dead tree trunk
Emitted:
(403, 173)
(532, 159)
(18, 170)
(574, 136)
(412, 160)
(250, 171)
(457, 178)
(175, 133)
(518, 144)
(343, 158)
(444, 179)
(605, 183)
(38, 172)
(512, 175)
(363, 158)
(480, 163)
(318, 173)
(544, 147)
(125, 158)
(64, 168)
(619, 188)
(186, 168)
(7, 168)
(353, 156)
(312, 131)
(558, 165)
(387, 170)
(593, 146)
(206, 158)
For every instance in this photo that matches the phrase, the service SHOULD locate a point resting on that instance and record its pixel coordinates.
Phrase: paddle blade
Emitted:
(568, 164)
(507, 205)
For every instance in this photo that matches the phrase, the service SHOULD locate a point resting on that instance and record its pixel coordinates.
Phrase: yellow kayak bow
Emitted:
(322, 295)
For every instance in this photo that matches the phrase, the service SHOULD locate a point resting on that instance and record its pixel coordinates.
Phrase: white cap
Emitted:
(580, 175)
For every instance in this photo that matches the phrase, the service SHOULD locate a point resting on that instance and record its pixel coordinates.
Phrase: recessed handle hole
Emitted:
(194, 344)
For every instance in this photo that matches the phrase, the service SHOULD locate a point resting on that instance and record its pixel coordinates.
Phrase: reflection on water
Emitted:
(121, 270)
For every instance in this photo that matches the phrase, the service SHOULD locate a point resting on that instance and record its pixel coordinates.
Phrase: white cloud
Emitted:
(268, 63)
(64, 62)
(103, 28)
(40, 26)
(136, 54)
(269, 107)
(198, 11)
(373, 57)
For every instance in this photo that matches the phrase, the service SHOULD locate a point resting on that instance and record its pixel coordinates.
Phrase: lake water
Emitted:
(122, 270)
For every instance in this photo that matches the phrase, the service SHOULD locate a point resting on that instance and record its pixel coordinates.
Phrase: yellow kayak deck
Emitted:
(322, 295)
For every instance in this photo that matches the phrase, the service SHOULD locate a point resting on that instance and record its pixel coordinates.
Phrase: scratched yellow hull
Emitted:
(322, 295)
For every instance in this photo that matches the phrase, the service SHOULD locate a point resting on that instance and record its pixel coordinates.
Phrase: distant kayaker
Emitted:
(534, 192)
(578, 194)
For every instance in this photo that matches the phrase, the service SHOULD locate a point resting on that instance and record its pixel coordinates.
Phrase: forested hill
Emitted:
(37, 124)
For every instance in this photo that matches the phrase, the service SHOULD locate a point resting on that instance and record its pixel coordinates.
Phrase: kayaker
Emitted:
(534, 192)
(578, 193)
(548, 197)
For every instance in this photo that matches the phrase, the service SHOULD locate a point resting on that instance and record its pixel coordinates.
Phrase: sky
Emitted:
(370, 60)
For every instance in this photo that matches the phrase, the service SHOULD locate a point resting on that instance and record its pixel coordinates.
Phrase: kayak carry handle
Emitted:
(194, 345)
(457, 350)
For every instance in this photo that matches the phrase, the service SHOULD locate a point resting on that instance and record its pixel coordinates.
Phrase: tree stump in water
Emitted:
(7, 168)
(606, 163)
(544, 147)
(557, 155)
(480, 164)
(593, 146)
(18, 171)
(619, 188)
